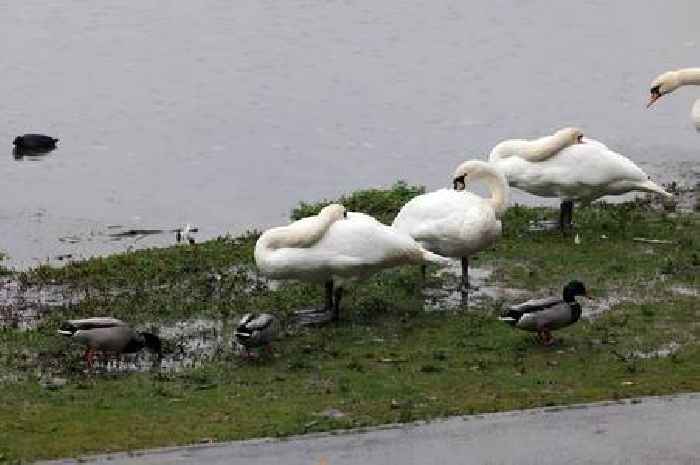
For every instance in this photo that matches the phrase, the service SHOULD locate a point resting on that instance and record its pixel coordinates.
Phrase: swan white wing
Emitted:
(450, 223)
(353, 247)
(361, 240)
(581, 171)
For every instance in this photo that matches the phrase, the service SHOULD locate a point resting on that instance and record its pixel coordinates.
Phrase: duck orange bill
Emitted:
(653, 98)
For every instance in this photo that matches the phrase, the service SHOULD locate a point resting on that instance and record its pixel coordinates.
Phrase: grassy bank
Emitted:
(388, 360)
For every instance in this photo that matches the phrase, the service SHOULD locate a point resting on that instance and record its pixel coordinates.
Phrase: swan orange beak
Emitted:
(653, 98)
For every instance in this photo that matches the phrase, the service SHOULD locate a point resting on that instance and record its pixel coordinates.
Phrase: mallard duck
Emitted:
(334, 247)
(546, 315)
(35, 143)
(256, 330)
(454, 222)
(108, 335)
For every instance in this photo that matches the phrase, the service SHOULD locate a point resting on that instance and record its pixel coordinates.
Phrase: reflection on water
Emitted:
(225, 116)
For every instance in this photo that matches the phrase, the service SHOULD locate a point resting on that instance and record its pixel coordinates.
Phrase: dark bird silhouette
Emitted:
(35, 143)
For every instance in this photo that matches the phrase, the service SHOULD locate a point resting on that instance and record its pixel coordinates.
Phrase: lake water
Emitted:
(226, 114)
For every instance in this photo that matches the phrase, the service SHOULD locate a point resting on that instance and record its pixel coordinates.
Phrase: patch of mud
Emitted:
(481, 287)
(662, 352)
(186, 344)
(685, 291)
(23, 306)
(597, 306)
(687, 195)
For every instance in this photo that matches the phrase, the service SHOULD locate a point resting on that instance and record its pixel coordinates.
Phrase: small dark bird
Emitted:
(108, 335)
(35, 143)
(546, 315)
(256, 330)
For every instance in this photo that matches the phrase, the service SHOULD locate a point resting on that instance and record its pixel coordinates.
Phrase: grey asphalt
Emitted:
(650, 430)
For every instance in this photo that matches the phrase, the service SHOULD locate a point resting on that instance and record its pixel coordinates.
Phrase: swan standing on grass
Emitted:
(454, 222)
(334, 247)
(671, 80)
(567, 166)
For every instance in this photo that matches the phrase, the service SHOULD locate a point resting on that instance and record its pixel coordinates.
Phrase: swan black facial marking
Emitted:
(459, 184)
(656, 90)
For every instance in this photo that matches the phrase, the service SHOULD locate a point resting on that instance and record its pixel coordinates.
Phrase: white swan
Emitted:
(456, 223)
(567, 166)
(335, 246)
(669, 81)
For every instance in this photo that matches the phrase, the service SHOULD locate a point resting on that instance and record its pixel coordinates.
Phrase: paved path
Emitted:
(652, 430)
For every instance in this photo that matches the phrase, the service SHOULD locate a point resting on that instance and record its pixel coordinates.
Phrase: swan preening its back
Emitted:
(669, 81)
(454, 222)
(570, 167)
(333, 247)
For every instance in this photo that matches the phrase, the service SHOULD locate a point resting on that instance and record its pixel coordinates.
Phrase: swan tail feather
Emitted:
(430, 257)
(651, 186)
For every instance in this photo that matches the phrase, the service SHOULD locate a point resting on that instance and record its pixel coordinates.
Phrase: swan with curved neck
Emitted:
(456, 223)
(570, 167)
(539, 149)
(669, 81)
(333, 247)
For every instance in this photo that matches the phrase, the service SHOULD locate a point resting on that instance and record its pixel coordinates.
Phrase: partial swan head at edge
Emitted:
(665, 83)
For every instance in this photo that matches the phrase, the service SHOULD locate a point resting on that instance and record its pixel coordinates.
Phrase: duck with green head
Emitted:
(546, 315)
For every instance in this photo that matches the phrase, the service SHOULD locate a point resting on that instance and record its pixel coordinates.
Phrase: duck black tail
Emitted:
(152, 342)
(67, 328)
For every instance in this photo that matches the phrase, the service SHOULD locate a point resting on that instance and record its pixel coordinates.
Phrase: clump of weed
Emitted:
(382, 204)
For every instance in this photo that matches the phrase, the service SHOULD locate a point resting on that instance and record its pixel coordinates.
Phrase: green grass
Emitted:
(388, 360)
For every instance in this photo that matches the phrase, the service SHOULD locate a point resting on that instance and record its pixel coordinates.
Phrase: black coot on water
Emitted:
(34, 143)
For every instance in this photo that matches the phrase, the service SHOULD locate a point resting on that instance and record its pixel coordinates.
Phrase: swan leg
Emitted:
(465, 280)
(423, 271)
(338, 294)
(329, 296)
(566, 210)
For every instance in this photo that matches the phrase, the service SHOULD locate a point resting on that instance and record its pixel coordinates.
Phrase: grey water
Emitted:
(226, 114)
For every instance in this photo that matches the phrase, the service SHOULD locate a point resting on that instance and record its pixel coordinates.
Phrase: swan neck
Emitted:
(302, 233)
(689, 76)
(499, 189)
(545, 147)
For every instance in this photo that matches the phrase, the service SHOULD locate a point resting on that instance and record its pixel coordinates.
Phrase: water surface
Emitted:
(225, 114)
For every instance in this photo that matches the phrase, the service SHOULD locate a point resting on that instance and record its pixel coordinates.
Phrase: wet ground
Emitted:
(226, 116)
(191, 343)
